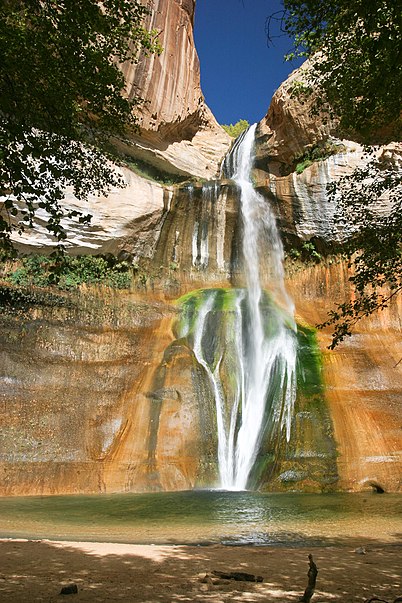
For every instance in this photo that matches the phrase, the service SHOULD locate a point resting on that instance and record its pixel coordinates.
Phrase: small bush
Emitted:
(234, 130)
(69, 272)
(318, 152)
(294, 253)
(300, 167)
(310, 252)
(306, 253)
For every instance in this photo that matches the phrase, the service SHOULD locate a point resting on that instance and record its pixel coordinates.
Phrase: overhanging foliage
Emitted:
(61, 97)
(355, 73)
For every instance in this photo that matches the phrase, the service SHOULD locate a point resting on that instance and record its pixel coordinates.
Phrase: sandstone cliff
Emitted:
(290, 127)
(97, 392)
(178, 131)
(363, 375)
(289, 134)
(363, 380)
(179, 139)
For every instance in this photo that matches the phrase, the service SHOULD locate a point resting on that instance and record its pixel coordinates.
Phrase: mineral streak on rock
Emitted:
(101, 396)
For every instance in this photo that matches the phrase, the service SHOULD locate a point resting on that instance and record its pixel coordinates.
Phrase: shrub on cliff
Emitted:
(69, 274)
(234, 130)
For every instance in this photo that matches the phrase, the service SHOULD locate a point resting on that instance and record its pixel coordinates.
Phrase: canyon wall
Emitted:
(97, 391)
(99, 394)
(290, 127)
(363, 375)
(178, 134)
(291, 133)
(179, 139)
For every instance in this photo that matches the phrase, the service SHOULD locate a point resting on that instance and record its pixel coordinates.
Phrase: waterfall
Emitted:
(261, 243)
(245, 338)
(200, 242)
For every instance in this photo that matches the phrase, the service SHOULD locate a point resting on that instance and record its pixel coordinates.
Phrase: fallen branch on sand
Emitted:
(238, 576)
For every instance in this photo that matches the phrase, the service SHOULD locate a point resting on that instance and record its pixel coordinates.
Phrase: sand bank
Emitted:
(35, 571)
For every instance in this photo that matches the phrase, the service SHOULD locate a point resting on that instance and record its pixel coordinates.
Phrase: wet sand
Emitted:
(36, 570)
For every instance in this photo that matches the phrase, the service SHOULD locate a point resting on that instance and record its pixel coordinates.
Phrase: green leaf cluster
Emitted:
(307, 252)
(68, 273)
(62, 94)
(356, 65)
(317, 152)
(234, 130)
(310, 253)
(370, 210)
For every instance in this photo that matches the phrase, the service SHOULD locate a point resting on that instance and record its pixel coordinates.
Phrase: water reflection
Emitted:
(204, 517)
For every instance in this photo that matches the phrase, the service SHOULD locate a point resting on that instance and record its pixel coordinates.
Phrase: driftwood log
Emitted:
(238, 576)
(312, 577)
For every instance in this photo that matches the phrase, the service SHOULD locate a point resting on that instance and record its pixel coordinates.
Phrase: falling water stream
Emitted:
(252, 369)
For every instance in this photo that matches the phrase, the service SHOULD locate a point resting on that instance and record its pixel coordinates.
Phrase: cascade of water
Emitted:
(260, 355)
(227, 402)
(200, 242)
(261, 238)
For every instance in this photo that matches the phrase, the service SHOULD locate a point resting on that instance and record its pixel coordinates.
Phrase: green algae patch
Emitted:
(191, 303)
(308, 461)
(225, 299)
(309, 362)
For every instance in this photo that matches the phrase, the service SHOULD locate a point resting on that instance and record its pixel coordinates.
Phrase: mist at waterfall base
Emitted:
(206, 517)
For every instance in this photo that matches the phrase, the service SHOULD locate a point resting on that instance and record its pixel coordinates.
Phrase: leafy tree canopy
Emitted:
(370, 204)
(234, 130)
(355, 67)
(61, 97)
(358, 60)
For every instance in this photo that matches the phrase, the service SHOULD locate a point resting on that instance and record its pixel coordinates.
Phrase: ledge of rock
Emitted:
(283, 136)
(125, 212)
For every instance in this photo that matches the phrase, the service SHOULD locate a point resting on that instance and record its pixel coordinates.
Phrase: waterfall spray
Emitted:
(258, 353)
(261, 242)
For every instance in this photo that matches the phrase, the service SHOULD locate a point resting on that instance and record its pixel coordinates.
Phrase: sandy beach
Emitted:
(36, 570)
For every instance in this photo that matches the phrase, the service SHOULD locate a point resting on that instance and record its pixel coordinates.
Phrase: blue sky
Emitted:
(239, 72)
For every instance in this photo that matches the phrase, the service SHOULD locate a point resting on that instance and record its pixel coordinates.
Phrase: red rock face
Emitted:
(179, 134)
(100, 397)
(169, 84)
(362, 377)
(103, 399)
(289, 127)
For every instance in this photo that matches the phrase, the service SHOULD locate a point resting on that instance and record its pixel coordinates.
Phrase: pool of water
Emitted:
(206, 517)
